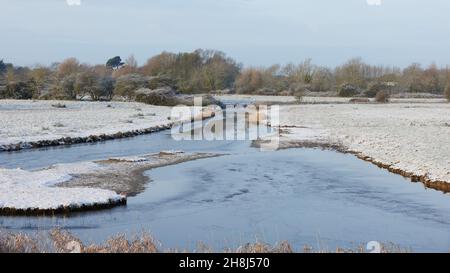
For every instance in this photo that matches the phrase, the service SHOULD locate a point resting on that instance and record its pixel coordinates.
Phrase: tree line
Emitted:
(207, 71)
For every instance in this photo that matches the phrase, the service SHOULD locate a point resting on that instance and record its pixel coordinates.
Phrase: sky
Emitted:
(254, 32)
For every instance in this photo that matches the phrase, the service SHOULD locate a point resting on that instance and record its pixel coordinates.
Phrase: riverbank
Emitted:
(408, 139)
(33, 124)
(67, 188)
(319, 98)
(126, 174)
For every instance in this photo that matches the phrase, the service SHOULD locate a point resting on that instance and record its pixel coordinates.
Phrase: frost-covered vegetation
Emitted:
(205, 71)
(60, 241)
(34, 121)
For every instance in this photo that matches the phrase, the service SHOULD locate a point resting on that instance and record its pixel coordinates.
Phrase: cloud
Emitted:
(374, 2)
(73, 2)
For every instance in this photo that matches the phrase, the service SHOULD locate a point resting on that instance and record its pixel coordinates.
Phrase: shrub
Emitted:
(19, 90)
(382, 97)
(348, 90)
(299, 96)
(163, 96)
(374, 88)
(66, 88)
(127, 85)
(447, 93)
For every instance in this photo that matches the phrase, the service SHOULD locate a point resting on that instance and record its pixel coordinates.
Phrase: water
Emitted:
(310, 197)
(144, 144)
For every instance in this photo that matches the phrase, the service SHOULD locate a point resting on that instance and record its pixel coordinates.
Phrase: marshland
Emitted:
(289, 142)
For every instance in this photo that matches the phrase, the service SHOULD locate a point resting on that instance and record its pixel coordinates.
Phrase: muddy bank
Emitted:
(85, 186)
(126, 175)
(429, 183)
(442, 186)
(63, 210)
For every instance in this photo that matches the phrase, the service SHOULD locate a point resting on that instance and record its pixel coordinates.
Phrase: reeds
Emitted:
(60, 241)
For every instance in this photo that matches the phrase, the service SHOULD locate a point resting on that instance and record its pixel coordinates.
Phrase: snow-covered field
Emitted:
(23, 190)
(314, 99)
(81, 185)
(32, 121)
(414, 138)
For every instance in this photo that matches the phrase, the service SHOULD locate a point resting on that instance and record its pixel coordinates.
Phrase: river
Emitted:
(323, 199)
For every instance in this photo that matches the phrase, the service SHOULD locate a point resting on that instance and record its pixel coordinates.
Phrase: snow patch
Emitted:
(408, 136)
(129, 159)
(22, 190)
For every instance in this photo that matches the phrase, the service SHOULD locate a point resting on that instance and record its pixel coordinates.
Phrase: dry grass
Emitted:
(60, 241)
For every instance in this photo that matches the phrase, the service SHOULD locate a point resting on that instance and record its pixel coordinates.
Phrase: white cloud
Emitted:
(73, 2)
(374, 2)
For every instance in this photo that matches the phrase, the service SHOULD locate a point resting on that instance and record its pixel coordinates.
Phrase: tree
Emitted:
(218, 71)
(250, 80)
(68, 67)
(322, 80)
(353, 72)
(3, 67)
(106, 87)
(160, 64)
(85, 84)
(431, 80)
(20, 90)
(98, 87)
(65, 88)
(10, 75)
(40, 76)
(198, 71)
(127, 85)
(447, 93)
(114, 63)
(411, 80)
(130, 67)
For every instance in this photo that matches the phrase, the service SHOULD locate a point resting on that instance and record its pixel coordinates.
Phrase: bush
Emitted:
(374, 88)
(382, 97)
(299, 96)
(348, 90)
(162, 96)
(447, 93)
(162, 82)
(127, 85)
(19, 90)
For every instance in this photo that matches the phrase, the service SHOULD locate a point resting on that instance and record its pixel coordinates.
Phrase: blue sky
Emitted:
(255, 32)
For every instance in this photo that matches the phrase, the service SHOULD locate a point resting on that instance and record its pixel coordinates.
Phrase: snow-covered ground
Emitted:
(414, 138)
(23, 190)
(32, 121)
(82, 185)
(314, 99)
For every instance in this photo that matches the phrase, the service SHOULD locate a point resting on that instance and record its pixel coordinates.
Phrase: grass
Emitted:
(60, 241)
